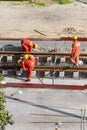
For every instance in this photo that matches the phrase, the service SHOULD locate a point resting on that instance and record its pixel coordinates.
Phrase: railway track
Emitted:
(48, 68)
(43, 54)
(51, 60)
(8, 62)
(47, 61)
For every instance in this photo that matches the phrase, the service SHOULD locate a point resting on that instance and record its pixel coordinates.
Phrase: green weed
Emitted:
(63, 1)
(38, 3)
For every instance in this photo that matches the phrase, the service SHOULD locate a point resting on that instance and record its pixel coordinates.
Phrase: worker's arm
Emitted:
(23, 65)
(73, 49)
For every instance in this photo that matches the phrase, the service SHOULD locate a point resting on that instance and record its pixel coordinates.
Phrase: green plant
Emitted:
(18, 0)
(15, 0)
(55, 0)
(64, 1)
(5, 118)
(1, 77)
(38, 3)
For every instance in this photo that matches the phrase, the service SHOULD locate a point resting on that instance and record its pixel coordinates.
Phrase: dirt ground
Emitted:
(19, 20)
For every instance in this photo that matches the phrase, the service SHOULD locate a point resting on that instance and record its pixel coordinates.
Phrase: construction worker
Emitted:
(28, 63)
(28, 45)
(74, 57)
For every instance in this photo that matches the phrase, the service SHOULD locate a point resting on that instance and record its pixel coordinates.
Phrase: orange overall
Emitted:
(74, 58)
(27, 45)
(29, 65)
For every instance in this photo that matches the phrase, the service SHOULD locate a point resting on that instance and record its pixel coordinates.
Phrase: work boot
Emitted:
(73, 65)
(27, 80)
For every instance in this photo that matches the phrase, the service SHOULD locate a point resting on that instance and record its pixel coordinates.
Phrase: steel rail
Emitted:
(45, 54)
(47, 39)
(47, 68)
(62, 68)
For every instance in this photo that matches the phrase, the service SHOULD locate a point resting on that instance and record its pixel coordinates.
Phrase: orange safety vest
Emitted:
(75, 48)
(30, 62)
(27, 45)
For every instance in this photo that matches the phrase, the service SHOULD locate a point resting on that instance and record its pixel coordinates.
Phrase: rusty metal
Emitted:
(45, 86)
(62, 68)
(45, 54)
(47, 68)
(70, 39)
(33, 39)
(47, 39)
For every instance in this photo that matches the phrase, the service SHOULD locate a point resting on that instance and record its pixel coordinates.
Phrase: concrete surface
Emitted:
(63, 81)
(40, 109)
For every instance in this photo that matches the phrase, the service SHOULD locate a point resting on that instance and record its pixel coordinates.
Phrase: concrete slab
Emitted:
(62, 81)
(40, 109)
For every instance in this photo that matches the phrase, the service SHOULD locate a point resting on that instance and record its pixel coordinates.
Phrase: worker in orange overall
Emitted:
(74, 57)
(28, 45)
(28, 63)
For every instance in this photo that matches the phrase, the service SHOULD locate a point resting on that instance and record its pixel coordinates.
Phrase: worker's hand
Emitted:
(19, 61)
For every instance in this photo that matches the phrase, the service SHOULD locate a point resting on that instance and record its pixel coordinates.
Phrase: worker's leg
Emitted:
(29, 74)
(30, 69)
(72, 59)
(77, 61)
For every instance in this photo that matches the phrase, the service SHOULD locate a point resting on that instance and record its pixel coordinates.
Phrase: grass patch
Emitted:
(19, 0)
(14, 0)
(55, 1)
(38, 4)
(63, 1)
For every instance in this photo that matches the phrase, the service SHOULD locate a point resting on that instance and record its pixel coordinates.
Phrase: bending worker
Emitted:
(74, 58)
(28, 63)
(28, 45)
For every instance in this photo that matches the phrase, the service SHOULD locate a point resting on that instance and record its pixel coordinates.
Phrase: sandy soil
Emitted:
(18, 20)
